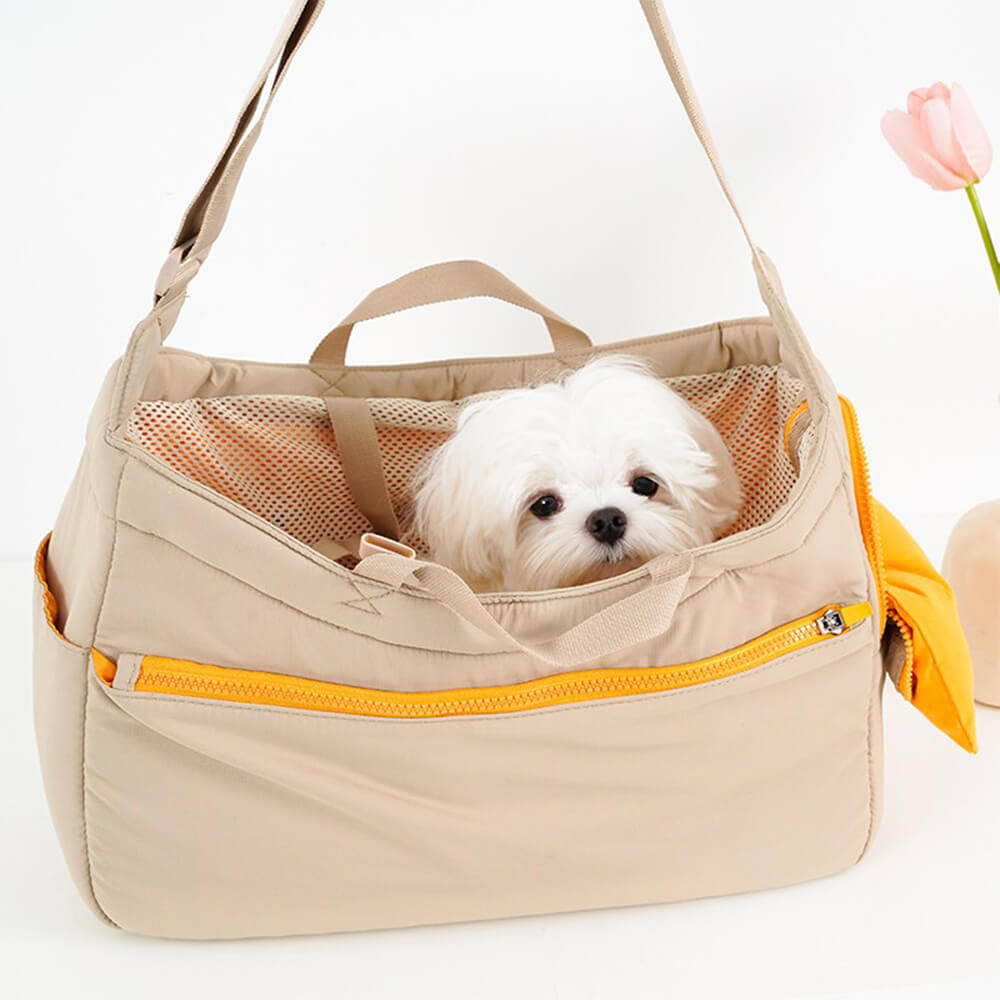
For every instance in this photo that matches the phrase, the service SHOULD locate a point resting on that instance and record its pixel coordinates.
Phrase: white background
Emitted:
(543, 137)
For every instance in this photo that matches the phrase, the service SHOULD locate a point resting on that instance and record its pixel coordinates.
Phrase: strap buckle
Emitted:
(177, 271)
(372, 544)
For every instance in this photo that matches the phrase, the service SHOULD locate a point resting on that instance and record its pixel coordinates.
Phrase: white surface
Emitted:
(541, 136)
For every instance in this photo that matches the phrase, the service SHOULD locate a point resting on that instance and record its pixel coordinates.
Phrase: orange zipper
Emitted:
(861, 477)
(866, 510)
(160, 675)
(906, 685)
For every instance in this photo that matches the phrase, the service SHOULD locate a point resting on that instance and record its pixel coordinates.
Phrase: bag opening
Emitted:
(276, 454)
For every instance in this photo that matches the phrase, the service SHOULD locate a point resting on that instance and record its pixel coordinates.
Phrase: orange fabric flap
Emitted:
(937, 677)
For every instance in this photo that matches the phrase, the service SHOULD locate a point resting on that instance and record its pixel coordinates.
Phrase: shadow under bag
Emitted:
(251, 723)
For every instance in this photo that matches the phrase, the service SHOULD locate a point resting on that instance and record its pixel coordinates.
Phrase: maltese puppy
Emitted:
(574, 480)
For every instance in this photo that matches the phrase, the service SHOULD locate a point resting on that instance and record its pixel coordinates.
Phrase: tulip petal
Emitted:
(940, 90)
(906, 136)
(915, 100)
(970, 134)
(935, 116)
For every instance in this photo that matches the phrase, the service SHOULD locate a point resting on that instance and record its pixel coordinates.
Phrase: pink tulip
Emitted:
(940, 137)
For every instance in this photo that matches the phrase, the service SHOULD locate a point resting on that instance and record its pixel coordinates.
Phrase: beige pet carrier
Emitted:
(250, 726)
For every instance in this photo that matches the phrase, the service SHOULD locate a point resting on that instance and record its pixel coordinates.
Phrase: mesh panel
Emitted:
(274, 455)
(749, 407)
(277, 456)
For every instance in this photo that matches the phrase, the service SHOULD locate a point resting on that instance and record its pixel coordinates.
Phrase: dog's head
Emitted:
(573, 481)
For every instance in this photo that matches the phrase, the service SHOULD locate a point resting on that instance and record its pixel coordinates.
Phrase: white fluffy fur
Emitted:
(584, 439)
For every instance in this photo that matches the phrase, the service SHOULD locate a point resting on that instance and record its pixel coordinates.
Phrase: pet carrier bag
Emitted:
(252, 723)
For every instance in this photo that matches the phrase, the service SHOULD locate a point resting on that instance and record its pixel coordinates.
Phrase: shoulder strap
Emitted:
(207, 213)
(666, 42)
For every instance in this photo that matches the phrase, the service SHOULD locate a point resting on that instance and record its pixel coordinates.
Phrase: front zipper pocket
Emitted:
(185, 679)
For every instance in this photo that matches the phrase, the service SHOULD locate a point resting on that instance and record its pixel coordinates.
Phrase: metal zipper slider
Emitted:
(831, 623)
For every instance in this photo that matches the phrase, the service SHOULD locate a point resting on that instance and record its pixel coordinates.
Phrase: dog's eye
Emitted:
(644, 486)
(546, 506)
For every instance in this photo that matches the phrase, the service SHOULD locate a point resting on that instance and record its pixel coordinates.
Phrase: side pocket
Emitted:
(925, 651)
(60, 686)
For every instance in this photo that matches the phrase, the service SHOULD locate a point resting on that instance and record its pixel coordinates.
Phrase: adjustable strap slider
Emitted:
(372, 543)
(178, 269)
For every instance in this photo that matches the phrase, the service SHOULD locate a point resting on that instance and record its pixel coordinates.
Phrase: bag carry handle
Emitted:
(640, 617)
(207, 213)
(447, 282)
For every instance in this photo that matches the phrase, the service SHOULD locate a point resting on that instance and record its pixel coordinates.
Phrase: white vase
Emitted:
(972, 567)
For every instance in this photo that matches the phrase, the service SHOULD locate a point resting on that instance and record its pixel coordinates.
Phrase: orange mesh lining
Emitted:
(50, 604)
(277, 456)
(274, 455)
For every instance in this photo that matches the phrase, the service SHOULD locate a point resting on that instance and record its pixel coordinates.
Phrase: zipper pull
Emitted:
(831, 623)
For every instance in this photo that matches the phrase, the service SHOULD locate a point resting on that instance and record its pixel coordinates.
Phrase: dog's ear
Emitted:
(719, 495)
(462, 510)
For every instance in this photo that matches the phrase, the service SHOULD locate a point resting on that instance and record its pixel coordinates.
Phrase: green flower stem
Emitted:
(984, 231)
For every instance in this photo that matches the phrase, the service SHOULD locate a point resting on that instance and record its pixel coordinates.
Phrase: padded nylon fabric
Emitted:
(941, 664)
(202, 526)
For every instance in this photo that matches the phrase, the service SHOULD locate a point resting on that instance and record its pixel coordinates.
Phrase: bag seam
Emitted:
(708, 329)
(86, 696)
(85, 798)
(152, 320)
(870, 770)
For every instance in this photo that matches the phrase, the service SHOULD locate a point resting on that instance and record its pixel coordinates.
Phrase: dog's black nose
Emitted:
(607, 525)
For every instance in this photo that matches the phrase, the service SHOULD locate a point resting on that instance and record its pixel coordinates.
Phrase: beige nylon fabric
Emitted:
(627, 622)
(307, 823)
(356, 441)
(184, 817)
(400, 822)
(457, 279)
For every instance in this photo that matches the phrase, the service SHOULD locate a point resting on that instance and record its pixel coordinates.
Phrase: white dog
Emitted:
(574, 480)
